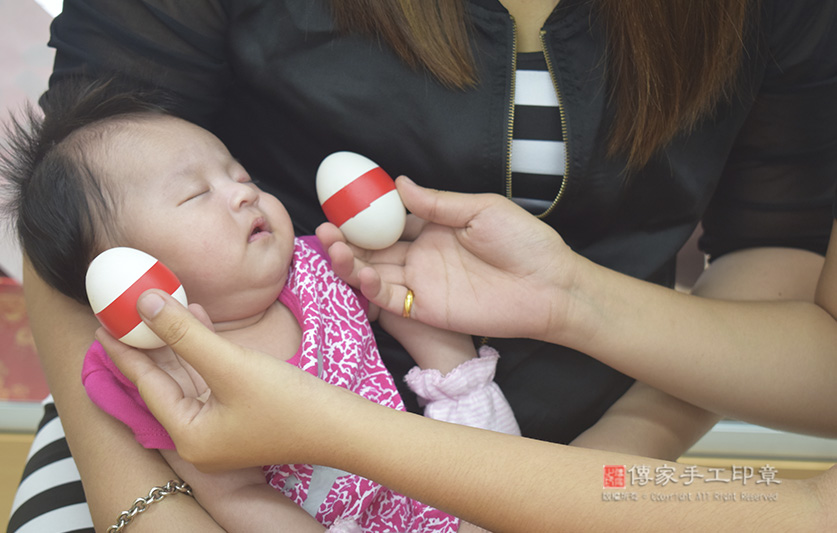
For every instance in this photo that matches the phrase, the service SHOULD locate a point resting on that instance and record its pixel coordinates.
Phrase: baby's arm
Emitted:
(241, 500)
(430, 348)
(453, 380)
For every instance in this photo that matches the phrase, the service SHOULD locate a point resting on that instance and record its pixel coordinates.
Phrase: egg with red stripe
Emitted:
(360, 198)
(115, 280)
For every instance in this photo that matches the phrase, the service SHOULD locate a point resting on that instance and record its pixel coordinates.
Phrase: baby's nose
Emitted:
(244, 194)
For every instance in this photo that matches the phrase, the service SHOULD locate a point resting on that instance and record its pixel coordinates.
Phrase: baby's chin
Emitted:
(244, 308)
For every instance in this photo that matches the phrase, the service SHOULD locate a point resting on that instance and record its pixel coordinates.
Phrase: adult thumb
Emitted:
(207, 352)
(452, 209)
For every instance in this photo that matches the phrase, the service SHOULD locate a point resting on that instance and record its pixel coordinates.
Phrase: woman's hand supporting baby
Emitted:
(218, 432)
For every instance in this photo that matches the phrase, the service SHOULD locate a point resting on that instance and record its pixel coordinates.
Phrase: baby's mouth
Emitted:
(260, 227)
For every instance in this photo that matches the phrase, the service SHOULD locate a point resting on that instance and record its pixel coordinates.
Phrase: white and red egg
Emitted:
(360, 198)
(115, 280)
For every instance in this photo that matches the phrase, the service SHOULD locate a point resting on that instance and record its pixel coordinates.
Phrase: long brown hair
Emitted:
(669, 61)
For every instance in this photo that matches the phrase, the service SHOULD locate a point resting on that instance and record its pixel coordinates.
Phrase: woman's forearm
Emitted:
(506, 483)
(757, 361)
(497, 481)
(114, 469)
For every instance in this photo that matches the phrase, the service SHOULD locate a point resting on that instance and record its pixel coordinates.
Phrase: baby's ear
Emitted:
(200, 313)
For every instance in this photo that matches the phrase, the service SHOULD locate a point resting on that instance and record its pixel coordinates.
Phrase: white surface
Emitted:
(730, 438)
(338, 170)
(20, 417)
(534, 87)
(53, 7)
(538, 157)
(28, 41)
(112, 272)
(379, 225)
(11, 259)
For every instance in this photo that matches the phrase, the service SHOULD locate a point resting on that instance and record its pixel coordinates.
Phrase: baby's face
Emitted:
(183, 199)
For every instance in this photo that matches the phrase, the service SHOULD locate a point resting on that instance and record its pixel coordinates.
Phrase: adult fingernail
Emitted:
(150, 304)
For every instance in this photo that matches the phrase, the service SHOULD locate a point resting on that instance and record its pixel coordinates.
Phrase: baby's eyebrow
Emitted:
(186, 169)
(184, 177)
(187, 164)
(236, 161)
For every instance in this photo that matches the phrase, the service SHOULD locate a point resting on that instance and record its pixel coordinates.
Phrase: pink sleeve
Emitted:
(467, 395)
(117, 396)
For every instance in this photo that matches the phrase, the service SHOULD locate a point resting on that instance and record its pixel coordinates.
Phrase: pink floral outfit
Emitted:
(337, 346)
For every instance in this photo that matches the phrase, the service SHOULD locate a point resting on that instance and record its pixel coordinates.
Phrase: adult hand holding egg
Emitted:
(476, 263)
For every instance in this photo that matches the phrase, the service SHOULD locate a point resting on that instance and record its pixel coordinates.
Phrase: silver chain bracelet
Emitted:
(141, 504)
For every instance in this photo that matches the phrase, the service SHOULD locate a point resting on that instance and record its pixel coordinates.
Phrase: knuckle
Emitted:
(186, 451)
(174, 332)
(190, 448)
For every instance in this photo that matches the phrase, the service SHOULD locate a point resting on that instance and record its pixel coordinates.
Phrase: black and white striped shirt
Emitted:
(50, 498)
(537, 152)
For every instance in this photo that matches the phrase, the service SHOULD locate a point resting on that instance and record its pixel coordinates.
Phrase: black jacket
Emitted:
(275, 81)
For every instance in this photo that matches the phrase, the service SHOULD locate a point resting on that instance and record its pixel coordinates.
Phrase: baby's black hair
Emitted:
(60, 208)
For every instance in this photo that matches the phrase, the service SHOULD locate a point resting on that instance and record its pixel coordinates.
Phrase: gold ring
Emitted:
(408, 304)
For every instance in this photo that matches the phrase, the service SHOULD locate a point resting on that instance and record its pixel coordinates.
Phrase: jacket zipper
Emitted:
(510, 124)
(566, 176)
(510, 128)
